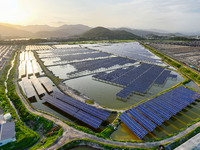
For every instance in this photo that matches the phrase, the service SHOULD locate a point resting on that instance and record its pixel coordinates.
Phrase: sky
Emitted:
(167, 15)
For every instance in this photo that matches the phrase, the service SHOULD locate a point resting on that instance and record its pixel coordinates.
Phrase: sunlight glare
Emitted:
(10, 12)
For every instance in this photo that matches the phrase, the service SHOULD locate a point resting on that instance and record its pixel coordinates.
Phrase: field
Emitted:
(187, 53)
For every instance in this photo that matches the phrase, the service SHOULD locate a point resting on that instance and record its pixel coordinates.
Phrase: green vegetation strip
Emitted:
(24, 136)
(33, 121)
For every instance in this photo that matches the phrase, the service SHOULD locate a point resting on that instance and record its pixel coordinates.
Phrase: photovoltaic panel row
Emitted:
(163, 77)
(190, 94)
(172, 102)
(61, 105)
(100, 63)
(73, 111)
(150, 114)
(165, 106)
(160, 108)
(133, 125)
(131, 75)
(80, 105)
(88, 119)
(130, 50)
(148, 124)
(61, 52)
(142, 83)
(83, 56)
(162, 112)
(113, 75)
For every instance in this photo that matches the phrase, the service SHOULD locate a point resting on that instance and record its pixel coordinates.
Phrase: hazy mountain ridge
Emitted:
(11, 31)
(147, 33)
(104, 33)
(67, 31)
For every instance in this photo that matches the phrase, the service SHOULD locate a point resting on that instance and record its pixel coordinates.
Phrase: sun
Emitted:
(11, 12)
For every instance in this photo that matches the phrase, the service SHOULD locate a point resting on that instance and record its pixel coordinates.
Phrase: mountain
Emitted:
(79, 27)
(77, 31)
(11, 31)
(37, 28)
(147, 33)
(104, 33)
(41, 31)
(63, 31)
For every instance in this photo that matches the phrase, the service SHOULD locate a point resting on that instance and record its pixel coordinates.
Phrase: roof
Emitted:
(28, 87)
(47, 84)
(7, 131)
(39, 88)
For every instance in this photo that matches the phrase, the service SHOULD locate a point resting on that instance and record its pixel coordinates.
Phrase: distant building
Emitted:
(7, 133)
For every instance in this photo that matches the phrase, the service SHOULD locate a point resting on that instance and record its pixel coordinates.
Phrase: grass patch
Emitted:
(89, 101)
(47, 141)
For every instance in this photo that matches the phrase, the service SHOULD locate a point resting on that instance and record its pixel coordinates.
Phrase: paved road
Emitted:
(191, 144)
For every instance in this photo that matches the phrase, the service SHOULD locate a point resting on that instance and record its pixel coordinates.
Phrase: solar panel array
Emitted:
(61, 105)
(83, 106)
(64, 52)
(85, 113)
(88, 119)
(131, 50)
(135, 79)
(162, 78)
(5, 52)
(155, 111)
(142, 83)
(150, 114)
(100, 63)
(133, 125)
(83, 56)
(148, 124)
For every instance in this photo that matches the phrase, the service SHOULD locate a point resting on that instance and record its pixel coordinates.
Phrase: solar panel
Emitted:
(148, 124)
(163, 113)
(80, 105)
(61, 105)
(73, 111)
(138, 80)
(88, 119)
(133, 125)
(162, 78)
(150, 114)
(165, 106)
